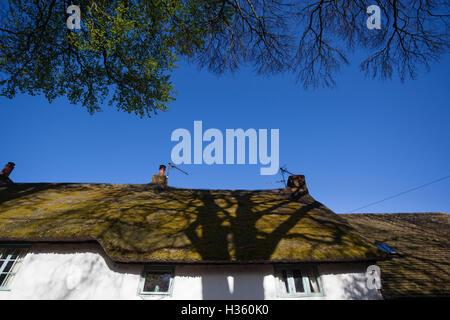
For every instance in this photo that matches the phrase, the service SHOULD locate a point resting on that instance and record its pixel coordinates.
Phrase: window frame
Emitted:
(305, 280)
(20, 257)
(156, 268)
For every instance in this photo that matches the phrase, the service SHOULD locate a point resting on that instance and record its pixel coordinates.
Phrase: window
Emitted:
(295, 281)
(157, 280)
(385, 247)
(11, 257)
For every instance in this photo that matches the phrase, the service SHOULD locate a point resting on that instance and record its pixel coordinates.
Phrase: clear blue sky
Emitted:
(360, 142)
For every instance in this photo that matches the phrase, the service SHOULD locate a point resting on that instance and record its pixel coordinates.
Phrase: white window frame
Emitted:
(291, 284)
(17, 263)
(156, 268)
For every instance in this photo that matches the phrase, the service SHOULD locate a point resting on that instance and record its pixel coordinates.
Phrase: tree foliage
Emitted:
(127, 50)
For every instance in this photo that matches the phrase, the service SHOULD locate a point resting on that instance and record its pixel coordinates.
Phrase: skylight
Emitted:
(383, 246)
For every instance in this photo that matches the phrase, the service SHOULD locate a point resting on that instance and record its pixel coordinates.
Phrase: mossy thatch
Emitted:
(422, 240)
(143, 223)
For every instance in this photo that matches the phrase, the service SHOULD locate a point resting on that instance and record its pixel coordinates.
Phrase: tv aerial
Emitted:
(283, 171)
(171, 165)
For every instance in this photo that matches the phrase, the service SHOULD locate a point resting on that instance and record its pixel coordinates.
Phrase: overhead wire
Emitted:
(400, 193)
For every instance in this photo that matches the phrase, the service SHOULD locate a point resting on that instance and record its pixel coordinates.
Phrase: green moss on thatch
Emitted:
(145, 223)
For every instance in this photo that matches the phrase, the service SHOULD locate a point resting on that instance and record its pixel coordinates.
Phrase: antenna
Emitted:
(273, 182)
(283, 170)
(171, 165)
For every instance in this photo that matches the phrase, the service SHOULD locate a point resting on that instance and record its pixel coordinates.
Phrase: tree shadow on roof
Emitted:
(245, 229)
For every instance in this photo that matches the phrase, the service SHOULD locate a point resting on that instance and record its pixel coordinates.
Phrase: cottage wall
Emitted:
(83, 271)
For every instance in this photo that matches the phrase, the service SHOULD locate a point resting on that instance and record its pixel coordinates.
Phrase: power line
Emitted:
(401, 193)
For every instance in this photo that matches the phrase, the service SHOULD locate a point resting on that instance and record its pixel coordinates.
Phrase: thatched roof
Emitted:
(144, 223)
(422, 241)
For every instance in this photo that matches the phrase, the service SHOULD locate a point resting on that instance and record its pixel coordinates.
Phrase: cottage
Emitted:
(109, 241)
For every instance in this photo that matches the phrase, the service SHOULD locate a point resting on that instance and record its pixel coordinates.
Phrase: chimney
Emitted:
(296, 184)
(160, 178)
(4, 174)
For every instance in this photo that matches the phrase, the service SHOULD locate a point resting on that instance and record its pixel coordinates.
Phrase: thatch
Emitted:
(422, 240)
(143, 223)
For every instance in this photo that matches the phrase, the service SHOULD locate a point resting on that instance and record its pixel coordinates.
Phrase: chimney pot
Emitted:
(7, 169)
(4, 174)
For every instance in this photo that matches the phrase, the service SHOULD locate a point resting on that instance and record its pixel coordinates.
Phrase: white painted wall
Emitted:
(82, 271)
